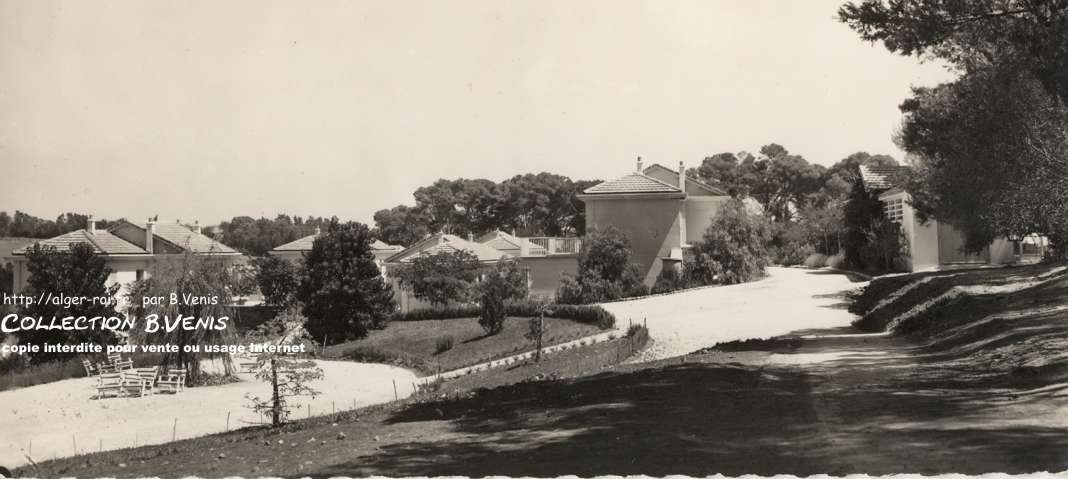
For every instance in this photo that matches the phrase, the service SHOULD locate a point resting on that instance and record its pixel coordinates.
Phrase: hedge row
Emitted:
(583, 313)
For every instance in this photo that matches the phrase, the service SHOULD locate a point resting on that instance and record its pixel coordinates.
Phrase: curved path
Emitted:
(789, 299)
(48, 420)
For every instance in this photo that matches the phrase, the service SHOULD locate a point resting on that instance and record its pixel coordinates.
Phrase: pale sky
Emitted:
(204, 110)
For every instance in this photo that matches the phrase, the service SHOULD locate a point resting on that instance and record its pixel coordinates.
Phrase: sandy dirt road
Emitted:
(789, 299)
(59, 416)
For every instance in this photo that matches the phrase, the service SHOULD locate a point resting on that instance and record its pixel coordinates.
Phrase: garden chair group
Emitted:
(123, 380)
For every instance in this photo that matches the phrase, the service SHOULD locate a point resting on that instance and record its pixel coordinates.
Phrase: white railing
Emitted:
(547, 246)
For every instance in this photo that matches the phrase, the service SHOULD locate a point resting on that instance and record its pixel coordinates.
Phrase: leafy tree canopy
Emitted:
(531, 204)
(1030, 35)
(441, 278)
(342, 290)
(79, 272)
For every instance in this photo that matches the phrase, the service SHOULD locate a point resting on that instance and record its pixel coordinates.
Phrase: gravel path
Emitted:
(57, 416)
(789, 299)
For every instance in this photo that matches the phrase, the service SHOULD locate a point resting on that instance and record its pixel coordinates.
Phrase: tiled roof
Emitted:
(102, 242)
(305, 244)
(299, 244)
(185, 238)
(446, 243)
(633, 183)
(503, 241)
(878, 178)
(690, 180)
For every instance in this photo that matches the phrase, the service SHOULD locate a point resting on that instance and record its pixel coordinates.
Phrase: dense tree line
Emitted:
(804, 201)
(530, 204)
(258, 236)
(991, 147)
(25, 225)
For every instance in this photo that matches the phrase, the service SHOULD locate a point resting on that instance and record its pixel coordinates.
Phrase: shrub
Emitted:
(582, 313)
(278, 280)
(445, 312)
(733, 249)
(816, 260)
(371, 354)
(837, 261)
(789, 244)
(792, 254)
(526, 308)
(507, 281)
(669, 280)
(17, 373)
(569, 291)
(491, 317)
(605, 272)
(441, 278)
(443, 344)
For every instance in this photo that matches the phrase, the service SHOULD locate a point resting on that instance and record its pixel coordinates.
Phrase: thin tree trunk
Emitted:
(276, 409)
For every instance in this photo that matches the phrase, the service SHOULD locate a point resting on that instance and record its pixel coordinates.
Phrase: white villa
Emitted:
(936, 244)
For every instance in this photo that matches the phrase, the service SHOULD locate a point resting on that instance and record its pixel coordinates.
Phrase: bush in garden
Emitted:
(278, 280)
(441, 278)
(790, 243)
(605, 272)
(816, 260)
(733, 250)
(582, 313)
(669, 280)
(569, 291)
(505, 282)
(837, 261)
(445, 312)
(443, 344)
(491, 316)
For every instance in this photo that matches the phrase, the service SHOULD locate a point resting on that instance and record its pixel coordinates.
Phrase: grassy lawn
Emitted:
(413, 344)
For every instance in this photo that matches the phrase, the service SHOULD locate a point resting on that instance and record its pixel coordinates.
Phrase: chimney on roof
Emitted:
(91, 225)
(639, 164)
(196, 226)
(682, 176)
(150, 233)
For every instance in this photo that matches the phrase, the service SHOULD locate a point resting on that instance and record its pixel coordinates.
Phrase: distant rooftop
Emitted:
(183, 237)
(447, 243)
(101, 241)
(305, 244)
(878, 178)
(634, 183)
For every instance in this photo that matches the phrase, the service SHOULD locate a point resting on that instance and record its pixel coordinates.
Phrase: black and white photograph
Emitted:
(533, 238)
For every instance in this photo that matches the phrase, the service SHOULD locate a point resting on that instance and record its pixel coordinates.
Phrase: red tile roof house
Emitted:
(933, 244)
(130, 248)
(661, 211)
(296, 249)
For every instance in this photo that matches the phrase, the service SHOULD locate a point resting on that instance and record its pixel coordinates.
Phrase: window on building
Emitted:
(140, 274)
(895, 210)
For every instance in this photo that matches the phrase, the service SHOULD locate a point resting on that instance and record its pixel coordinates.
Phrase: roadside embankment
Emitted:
(1013, 322)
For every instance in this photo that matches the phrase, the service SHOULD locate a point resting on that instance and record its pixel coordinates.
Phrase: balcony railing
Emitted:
(548, 246)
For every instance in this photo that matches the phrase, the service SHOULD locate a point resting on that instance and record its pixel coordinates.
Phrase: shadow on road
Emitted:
(838, 404)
